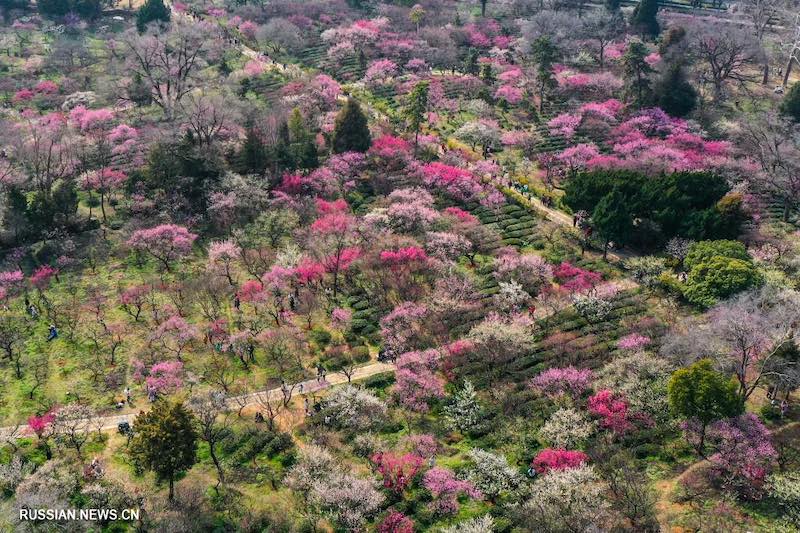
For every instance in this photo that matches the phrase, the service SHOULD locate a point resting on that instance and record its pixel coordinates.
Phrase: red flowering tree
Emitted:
(398, 471)
(550, 459)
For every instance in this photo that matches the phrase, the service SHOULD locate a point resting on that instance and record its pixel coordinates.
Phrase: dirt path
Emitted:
(235, 402)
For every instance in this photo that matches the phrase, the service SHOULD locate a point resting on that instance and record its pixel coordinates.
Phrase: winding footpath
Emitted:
(234, 402)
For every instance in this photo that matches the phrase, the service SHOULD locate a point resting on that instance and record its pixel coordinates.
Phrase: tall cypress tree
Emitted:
(417, 106)
(644, 18)
(350, 132)
(674, 94)
(790, 106)
(152, 10)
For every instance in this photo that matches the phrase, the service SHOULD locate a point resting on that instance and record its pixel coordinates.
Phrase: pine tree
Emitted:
(644, 18)
(253, 157)
(416, 109)
(464, 413)
(674, 94)
(636, 73)
(545, 54)
(471, 64)
(165, 441)
(301, 147)
(612, 219)
(350, 132)
(487, 74)
(151, 10)
(791, 103)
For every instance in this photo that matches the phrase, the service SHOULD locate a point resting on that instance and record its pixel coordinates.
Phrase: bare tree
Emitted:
(72, 426)
(603, 28)
(208, 115)
(762, 14)
(791, 43)
(168, 61)
(14, 330)
(745, 336)
(774, 142)
(214, 422)
(272, 405)
(724, 52)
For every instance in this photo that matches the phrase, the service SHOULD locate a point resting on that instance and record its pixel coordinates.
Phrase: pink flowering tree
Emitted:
(416, 382)
(446, 488)
(42, 427)
(555, 382)
(396, 522)
(333, 236)
(222, 257)
(166, 243)
(398, 471)
(174, 335)
(550, 459)
(103, 181)
(633, 342)
(614, 412)
(403, 329)
(575, 279)
(743, 453)
(133, 299)
(165, 377)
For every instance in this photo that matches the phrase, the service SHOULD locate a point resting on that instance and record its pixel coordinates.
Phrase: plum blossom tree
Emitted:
(167, 61)
(396, 522)
(445, 489)
(743, 453)
(551, 459)
(166, 242)
(174, 335)
(566, 429)
(416, 382)
(222, 256)
(565, 500)
(398, 471)
(555, 382)
(491, 474)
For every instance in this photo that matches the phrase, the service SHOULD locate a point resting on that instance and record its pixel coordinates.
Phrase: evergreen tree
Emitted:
(545, 54)
(301, 146)
(637, 73)
(151, 10)
(612, 5)
(612, 218)
(165, 441)
(487, 74)
(674, 94)
(791, 103)
(416, 109)
(471, 65)
(253, 157)
(350, 132)
(464, 413)
(644, 18)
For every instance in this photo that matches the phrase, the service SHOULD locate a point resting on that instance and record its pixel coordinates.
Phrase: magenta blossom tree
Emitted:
(165, 377)
(396, 522)
(398, 471)
(558, 459)
(166, 243)
(446, 489)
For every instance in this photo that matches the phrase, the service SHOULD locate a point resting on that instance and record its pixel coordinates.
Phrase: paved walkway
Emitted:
(235, 402)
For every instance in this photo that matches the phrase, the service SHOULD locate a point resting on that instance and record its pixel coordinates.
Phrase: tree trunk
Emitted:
(215, 460)
(171, 488)
(765, 80)
(788, 70)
